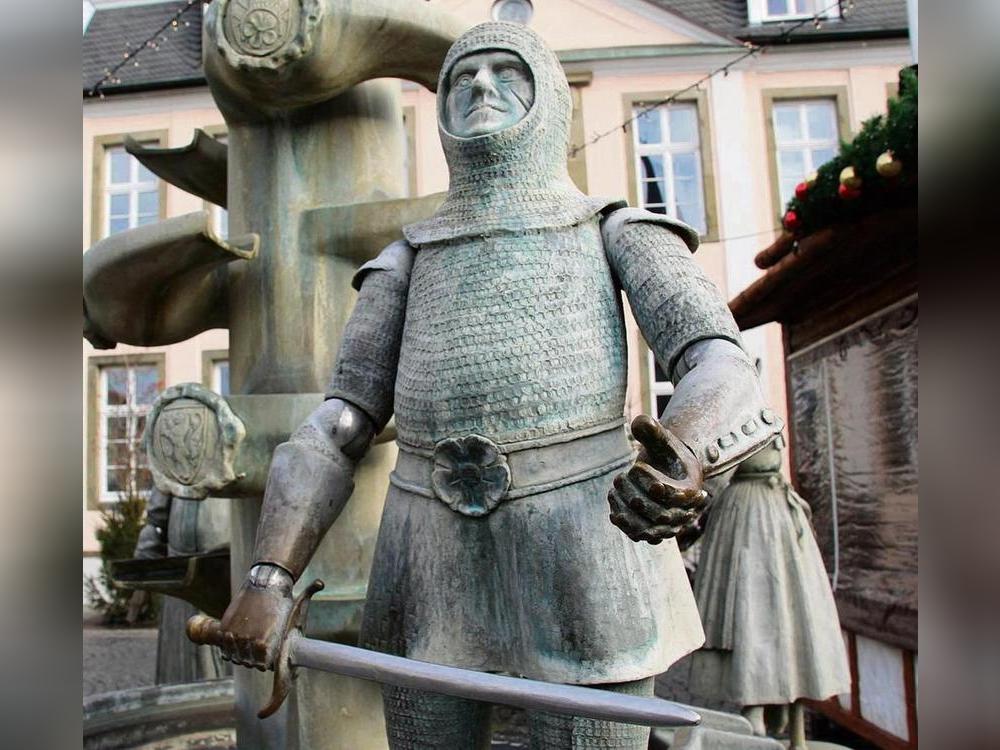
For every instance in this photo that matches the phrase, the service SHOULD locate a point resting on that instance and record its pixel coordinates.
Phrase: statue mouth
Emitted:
(483, 107)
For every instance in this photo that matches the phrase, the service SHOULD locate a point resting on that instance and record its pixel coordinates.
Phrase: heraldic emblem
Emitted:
(191, 438)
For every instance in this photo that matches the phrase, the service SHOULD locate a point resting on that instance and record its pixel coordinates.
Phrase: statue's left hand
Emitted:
(660, 496)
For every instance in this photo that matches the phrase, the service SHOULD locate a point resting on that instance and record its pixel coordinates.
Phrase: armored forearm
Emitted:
(312, 474)
(718, 408)
(310, 481)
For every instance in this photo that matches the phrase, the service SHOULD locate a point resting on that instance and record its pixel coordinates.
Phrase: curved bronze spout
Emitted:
(294, 54)
(159, 284)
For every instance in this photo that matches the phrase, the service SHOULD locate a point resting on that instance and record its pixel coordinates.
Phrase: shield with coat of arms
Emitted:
(183, 439)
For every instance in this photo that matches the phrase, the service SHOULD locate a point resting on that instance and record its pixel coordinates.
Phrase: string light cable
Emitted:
(751, 50)
(154, 41)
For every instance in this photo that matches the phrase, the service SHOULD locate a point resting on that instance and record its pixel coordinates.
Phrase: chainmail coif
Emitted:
(516, 178)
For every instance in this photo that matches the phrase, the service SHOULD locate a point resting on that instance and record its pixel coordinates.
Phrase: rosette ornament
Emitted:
(471, 475)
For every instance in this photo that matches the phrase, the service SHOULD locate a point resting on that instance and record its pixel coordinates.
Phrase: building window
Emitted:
(660, 387)
(783, 10)
(131, 192)
(410, 150)
(215, 370)
(126, 393)
(805, 137)
(220, 377)
(668, 162)
(219, 216)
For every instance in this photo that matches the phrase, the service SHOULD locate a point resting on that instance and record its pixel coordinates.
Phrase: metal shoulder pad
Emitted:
(616, 220)
(718, 408)
(396, 257)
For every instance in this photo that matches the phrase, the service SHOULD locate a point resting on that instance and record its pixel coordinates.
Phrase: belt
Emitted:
(472, 475)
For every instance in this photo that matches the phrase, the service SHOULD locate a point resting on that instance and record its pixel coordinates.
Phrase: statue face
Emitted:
(487, 92)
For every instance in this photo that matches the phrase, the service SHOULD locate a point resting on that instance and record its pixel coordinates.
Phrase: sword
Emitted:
(299, 651)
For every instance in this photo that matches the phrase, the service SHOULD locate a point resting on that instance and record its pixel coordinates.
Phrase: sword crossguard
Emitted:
(207, 630)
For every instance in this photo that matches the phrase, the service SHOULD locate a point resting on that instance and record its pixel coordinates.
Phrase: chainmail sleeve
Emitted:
(674, 302)
(365, 369)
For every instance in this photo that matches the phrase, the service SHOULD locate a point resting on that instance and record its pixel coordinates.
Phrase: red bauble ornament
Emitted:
(848, 194)
(791, 221)
(801, 190)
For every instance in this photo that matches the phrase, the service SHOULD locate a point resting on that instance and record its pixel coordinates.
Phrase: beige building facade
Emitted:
(723, 157)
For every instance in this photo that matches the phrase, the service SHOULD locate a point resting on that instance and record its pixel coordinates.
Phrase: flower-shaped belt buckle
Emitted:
(471, 475)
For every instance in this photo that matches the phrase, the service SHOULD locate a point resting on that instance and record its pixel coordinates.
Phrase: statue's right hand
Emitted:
(257, 618)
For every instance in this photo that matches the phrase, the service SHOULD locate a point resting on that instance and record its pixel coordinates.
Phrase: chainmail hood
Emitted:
(516, 178)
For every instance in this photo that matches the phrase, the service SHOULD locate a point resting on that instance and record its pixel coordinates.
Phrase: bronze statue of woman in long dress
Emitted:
(495, 334)
(772, 634)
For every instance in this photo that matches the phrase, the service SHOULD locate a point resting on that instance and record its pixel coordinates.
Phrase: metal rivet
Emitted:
(767, 416)
(727, 441)
(713, 453)
(750, 427)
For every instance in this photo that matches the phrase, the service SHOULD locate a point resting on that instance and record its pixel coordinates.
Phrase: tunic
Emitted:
(521, 340)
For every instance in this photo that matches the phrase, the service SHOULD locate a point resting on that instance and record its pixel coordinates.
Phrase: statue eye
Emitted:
(508, 73)
(463, 81)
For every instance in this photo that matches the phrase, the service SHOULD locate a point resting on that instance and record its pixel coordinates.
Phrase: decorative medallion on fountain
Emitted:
(260, 27)
(191, 440)
(265, 33)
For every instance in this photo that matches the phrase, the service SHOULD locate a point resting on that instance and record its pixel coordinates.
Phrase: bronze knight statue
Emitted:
(495, 334)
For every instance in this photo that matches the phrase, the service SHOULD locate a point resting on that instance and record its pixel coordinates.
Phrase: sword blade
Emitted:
(488, 688)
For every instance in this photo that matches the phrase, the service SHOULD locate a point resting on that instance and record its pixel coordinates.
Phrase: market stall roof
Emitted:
(874, 259)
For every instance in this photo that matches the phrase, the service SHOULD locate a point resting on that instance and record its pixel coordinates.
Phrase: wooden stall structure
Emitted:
(846, 297)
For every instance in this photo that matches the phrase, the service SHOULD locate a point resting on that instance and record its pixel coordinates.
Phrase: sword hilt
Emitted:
(207, 631)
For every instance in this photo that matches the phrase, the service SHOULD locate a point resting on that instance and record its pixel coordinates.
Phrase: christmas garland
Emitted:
(875, 171)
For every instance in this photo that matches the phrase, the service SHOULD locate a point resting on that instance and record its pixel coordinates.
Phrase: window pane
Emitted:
(652, 167)
(119, 165)
(661, 404)
(222, 378)
(140, 425)
(658, 374)
(149, 202)
(656, 209)
(777, 7)
(693, 215)
(653, 192)
(115, 379)
(117, 225)
(792, 163)
(118, 205)
(683, 124)
(649, 127)
(117, 454)
(114, 480)
(148, 219)
(821, 156)
(146, 384)
(821, 121)
(144, 174)
(116, 428)
(787, 126)
(686, 166)
(143, 480)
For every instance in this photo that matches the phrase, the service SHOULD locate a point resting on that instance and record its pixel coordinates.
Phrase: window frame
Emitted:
(209, 359)
(214, 209)
(95, 460)
(576, 164)
(410, 148)
(758, 12)
(775, 95)
(705, 148)
(99, 208)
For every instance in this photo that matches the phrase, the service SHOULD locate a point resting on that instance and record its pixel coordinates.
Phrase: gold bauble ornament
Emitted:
(811, 179)
(850, 179)
(887, 165)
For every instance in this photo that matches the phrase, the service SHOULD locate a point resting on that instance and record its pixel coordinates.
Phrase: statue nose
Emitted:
(483, 81)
